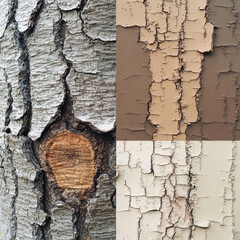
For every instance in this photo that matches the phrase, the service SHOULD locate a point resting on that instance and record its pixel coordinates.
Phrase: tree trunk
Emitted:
(57, 114)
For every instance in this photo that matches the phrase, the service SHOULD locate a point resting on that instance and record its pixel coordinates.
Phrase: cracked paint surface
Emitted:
(219, 98)
(176, 34)
(177, 190)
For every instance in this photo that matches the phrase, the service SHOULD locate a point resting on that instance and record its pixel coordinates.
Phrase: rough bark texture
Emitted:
(178, 190)
(57, 79)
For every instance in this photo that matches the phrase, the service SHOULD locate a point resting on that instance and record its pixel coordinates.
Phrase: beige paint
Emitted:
(130, 13)
(160, 204)
(176, 34)
(236, 191)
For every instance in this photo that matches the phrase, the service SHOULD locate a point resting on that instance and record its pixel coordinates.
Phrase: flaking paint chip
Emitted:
(71, 159)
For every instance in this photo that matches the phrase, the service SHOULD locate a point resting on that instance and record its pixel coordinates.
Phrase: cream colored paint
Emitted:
(154, 202)
(236, 191)
(191, 190)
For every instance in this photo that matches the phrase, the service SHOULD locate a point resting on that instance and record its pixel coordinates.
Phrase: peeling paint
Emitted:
(133, 78)
(218, 105)
(190, 191)
(176, 35)
(153, 193)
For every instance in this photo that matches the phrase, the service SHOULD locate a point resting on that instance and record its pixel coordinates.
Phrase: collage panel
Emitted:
(177, 70)
(178, 190)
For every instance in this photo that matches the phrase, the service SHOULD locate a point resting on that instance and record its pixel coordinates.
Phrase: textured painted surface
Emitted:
(213, 195)
(133, 79)
(177, 190)
(57, 75)
(219, 98)
(152, 190)
(175, 36)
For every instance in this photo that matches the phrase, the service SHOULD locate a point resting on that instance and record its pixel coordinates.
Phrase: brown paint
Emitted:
(71, 159)
(219, 98)
(133, 84)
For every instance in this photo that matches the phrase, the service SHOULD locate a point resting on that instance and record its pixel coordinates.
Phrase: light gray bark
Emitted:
(57, 74)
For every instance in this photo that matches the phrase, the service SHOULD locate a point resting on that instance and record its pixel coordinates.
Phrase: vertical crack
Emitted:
(9, 102)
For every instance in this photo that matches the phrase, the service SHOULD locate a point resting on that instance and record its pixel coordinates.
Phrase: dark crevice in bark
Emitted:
(59, 30)
(82, 5)
(80, 226)
(24, 79)
(45, 196)
(9, 104)
(102, 145)
(12, 11)
(34, 18)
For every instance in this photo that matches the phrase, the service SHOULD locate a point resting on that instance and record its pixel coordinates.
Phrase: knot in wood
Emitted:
(71, 159)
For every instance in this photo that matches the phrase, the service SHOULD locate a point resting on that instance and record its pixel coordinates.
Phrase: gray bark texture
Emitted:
(57, 75)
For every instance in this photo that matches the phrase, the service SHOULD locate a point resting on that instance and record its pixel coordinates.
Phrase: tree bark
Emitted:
(57, 114)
